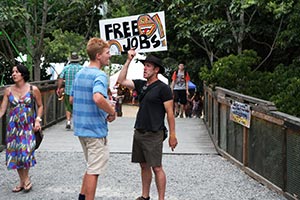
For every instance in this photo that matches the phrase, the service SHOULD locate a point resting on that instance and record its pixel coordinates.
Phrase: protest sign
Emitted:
(145, 33)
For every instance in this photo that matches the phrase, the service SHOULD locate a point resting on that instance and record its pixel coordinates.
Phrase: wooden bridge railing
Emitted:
(269, 150)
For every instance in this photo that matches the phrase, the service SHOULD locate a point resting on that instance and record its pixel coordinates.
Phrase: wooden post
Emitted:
(245, 146)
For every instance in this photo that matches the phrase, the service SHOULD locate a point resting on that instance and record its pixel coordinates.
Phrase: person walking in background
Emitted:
(180, 88)
(155, 100)
(197, 105)
(68, 75)
(20, 138)
(91, 112)
(189, 106)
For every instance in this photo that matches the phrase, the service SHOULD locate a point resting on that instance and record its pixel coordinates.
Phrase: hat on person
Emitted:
(156, 61)
(74, 57)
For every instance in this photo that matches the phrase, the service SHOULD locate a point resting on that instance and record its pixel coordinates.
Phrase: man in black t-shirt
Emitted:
(155, 100)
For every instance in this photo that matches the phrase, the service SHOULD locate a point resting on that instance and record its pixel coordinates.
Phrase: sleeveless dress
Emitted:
(20, 138)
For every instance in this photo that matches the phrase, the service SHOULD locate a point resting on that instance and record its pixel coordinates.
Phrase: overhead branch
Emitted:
(259, 42)
(272, 47)
(251, 17)
(209, 53)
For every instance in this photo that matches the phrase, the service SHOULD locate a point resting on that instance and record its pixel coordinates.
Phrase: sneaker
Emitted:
(68, 126)
(143, 198)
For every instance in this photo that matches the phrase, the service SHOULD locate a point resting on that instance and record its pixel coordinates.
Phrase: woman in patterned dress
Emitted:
(20, 139)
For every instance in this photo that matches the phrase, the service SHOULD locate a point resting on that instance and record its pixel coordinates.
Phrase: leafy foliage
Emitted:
(286, 88)
(249, 46)
(280, 86)
(231, 72)
(63, 44)
(288, 99)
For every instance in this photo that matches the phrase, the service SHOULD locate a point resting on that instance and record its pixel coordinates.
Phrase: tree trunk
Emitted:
(29, 48)
(40, 42)
(239, 32)
(210, 54)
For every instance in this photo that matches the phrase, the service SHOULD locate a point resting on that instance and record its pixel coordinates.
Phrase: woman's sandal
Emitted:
(18, 189)
(27, 186)
(143, 198)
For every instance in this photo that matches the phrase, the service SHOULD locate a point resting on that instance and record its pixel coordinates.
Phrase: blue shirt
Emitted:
(89, 120)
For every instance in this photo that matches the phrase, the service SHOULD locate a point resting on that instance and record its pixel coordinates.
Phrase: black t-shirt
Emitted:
(151, 113)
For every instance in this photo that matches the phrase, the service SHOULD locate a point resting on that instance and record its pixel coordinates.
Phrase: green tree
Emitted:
(63, 44)
(231, 72)
(26, 25)
(29, 23)
(287, 100)
(222, 27)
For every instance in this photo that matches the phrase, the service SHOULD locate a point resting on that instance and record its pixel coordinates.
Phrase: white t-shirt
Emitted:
(180, 81)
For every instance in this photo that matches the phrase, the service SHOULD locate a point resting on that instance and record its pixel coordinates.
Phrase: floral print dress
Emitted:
(20, 138)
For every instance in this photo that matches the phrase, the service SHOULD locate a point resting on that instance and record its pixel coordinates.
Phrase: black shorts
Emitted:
(180, 96)
(147, 147)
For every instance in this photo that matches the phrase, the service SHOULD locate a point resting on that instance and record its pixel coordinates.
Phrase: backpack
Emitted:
(185, 73)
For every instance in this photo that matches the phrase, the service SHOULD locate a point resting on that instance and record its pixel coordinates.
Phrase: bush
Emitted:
(234, 73)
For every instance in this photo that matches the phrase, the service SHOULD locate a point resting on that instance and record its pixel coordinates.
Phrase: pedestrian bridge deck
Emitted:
(192, 136)
(194, 170)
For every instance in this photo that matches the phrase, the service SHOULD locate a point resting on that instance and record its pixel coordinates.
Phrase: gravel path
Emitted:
(58, 176)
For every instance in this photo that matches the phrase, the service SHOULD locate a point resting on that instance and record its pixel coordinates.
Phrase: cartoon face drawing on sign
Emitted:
(146, 25)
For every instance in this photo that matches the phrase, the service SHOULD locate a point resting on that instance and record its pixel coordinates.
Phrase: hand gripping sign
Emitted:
(145, 33)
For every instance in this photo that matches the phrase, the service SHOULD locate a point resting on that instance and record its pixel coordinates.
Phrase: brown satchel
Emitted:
(38, 134)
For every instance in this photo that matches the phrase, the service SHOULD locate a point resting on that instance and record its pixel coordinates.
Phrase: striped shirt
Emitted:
(68, 73)
(89, 120)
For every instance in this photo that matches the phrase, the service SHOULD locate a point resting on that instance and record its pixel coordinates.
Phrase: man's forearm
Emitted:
(59, 83)
(123, 73)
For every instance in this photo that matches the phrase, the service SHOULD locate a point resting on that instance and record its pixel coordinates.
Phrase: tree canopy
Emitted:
(252, 42)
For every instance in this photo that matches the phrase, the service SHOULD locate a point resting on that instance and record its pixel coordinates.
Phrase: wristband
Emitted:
(38, 119)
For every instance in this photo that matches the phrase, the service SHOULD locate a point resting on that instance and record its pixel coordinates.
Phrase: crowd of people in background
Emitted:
(188, 103)
(193, 107)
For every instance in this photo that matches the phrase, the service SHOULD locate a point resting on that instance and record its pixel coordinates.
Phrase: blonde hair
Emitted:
(94, 46)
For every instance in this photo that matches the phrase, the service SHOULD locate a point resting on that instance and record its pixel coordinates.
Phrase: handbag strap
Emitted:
(32, 102)
(146, 89)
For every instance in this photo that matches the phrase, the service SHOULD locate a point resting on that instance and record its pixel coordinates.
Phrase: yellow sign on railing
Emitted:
(240, 113)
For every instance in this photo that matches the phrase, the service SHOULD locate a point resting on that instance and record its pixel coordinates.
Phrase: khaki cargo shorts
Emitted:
(96, 154)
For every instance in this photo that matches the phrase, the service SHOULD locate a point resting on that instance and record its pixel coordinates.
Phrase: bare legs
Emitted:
(89, 185)
(180, 109)
(68, 115)
(24, 180)
(146, 174)
(160, 180)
